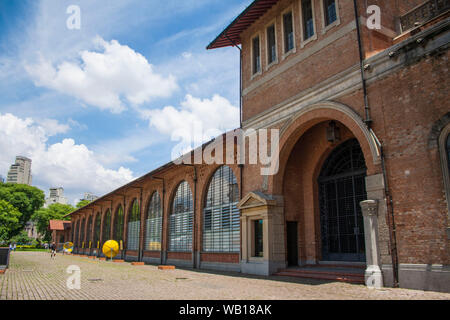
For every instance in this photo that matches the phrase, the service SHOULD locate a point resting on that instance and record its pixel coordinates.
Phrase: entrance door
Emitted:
(292, 243)
(341, 189)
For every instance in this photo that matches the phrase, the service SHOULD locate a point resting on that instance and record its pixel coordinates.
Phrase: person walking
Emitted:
(14, 247)
(52, 250)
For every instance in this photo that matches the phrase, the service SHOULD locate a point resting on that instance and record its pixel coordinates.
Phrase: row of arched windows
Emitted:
(221, 219)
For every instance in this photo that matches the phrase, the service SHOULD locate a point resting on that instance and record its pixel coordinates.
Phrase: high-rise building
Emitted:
(89, 196)
(56, 196)
(20, 171)
(2, 180)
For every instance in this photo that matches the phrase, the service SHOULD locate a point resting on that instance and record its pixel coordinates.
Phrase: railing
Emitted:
(423, 13)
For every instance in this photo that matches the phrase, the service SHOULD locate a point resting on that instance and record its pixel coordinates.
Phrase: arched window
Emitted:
(98, 222)
(89, 231)
(180, 229)
(118, 225)
(83, 228)
(221, 218)
(107, 227)
(134, 227)
(153, 224)
(75, 234)
(444, 148)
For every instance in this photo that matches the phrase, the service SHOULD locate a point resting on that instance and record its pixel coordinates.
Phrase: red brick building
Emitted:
(61, 231)
(364, 120)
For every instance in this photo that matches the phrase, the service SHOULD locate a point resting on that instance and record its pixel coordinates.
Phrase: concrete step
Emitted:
(337, 275)
(343, 266)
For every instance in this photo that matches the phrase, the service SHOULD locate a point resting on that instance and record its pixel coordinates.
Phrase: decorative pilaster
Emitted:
(373, 274)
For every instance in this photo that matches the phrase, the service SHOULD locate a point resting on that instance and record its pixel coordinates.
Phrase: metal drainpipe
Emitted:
(393, 233)
(369, 122)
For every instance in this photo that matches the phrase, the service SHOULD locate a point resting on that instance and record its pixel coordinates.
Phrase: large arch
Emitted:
(97, 226)
(317, 113)
(220, 216)
(119, 223)
(89, 231)
(153, 223)
(181, 219)
(133, 226)
(106, 230)
(83, 233)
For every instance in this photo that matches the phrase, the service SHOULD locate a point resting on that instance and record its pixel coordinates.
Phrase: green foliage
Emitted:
(82, 203)
(9, 220)
(22, 238)
(43, 216)
(26, 199)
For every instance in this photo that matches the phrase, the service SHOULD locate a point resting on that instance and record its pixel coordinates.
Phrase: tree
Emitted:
(82, 203)
(9, 220)
(43, 216)
(26, 199)
(22, 238)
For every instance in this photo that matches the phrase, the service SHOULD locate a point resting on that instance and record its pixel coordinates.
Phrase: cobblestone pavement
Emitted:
(34, 275)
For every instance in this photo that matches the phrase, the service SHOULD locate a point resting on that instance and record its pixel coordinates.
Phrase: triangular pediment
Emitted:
(256, 199)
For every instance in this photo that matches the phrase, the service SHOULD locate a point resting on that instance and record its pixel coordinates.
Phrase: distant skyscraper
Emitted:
(20, 172)
(89, 196)
(56, 196)
(2, 180)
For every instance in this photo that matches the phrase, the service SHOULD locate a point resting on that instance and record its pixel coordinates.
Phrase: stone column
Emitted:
(373, 274)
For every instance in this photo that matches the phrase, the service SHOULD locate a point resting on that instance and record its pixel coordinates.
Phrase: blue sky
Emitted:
(99, 106)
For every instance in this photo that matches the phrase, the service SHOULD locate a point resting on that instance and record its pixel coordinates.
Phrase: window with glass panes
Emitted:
(448, 152)
(329, 7)
(153, 224)
(256, 56)
(89, 231)
(107, 226)
(83, 227)
(180, 220)
(98, 222)
(271, 44)
(288, 29)
(221, 218)
(308, 20)
(258, 238)
(134, 227)
(76, 233)
(118, 224)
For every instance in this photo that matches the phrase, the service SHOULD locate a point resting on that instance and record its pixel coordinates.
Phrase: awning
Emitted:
(231, 36)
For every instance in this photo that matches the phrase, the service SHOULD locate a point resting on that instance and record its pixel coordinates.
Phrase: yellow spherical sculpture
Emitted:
(110, 248)
(68, 247)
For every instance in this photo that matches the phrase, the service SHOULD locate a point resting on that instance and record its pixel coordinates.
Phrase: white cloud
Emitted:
(109, 80)
(66, 164)
(52, 127)
(212, 116)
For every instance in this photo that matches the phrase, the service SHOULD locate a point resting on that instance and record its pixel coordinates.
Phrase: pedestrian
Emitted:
(14, 248)
(52, 250)
(10, 247)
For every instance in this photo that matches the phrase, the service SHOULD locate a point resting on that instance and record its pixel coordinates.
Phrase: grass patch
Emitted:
(31, 249)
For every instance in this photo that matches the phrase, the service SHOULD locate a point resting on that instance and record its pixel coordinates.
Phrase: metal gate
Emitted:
(341, 189)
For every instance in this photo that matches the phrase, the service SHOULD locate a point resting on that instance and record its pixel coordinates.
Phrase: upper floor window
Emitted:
(256, 55)
(271, 44)
(330, 11)
(288, 28)
(308, 19)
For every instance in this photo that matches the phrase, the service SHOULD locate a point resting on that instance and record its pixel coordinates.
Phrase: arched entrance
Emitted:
(341, 189)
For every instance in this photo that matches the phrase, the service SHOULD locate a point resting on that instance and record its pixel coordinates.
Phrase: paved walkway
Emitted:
(34, 275)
